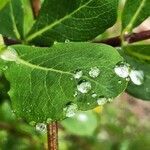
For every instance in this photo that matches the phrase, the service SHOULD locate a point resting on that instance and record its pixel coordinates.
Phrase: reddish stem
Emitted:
(52, 136)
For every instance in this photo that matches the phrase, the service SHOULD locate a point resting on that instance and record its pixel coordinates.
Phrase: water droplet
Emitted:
(82, 117)
(101, 101)
(88, 103)
(67, 41)
(41, 127)
(71, 110)
(127, 79)
(94, 72)
(49, 120)
(84, 87)
(9, 54)
(119, 82)
(122, 70)
(5, 68)
(94, 95)
(78, 74)
(137, 76)
(75, 94)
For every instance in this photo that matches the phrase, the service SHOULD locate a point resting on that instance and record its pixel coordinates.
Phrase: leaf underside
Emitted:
(76, 20)
(42, 82)
(139, 59)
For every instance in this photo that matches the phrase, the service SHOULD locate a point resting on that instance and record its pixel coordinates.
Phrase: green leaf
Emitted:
(16, 19)
(139, 60)
(82, 124)
(43, 84)
(135, 12)
(3, 3)
(76, 20)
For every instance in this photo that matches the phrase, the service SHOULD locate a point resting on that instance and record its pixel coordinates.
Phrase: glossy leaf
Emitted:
(139, 60)
(16, 19)
(135, 12)
(82, 124)
(75, 20)
(43, 84)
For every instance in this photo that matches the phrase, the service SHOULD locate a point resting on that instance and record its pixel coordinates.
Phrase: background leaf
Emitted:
(75, 20)
(139, 60)
(16, 19)
(82, 120)
(134, 13)
(3, 3)
(43, 84)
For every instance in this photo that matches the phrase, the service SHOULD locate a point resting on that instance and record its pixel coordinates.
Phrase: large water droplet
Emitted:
(9, 54)
(78, 74)
(102, 101)
(84, 87)
(71, 110)
(94, 72)
(122, 70)
(41, 127)
(82, 117)
(137, 76)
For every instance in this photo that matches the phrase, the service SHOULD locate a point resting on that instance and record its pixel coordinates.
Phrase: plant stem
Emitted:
(36, 5)
(52, 136)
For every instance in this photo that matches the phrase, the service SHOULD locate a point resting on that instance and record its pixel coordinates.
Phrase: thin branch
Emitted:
(131, 38)
(52, 136)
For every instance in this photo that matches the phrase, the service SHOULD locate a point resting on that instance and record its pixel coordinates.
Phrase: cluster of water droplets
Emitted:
(41, 127)
(84, 87)
(70, 110)
(9, 54)
(123, 70)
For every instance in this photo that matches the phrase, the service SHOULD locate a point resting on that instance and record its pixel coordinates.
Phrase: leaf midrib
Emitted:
(41, 31)
(23, 62)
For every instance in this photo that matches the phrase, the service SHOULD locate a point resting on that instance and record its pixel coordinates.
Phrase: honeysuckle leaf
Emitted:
(46, 83)
(3, 3)
(138, 56)
(134, 13)
(16, 19)
(76, 20)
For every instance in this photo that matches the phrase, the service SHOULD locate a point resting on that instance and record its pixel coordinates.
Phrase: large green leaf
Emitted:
(76, 20)
(139, 60)
(44, 83)
(83, 123)
(16, 19)
(3, 3)
(135, 12)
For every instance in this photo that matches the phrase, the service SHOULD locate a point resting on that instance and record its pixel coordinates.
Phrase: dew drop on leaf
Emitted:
(122, 70)
(101, 101)
(78, 74)
(9, 54)
(94, 72)
(41, 127)
(94, 95)
(84, 87)
(70, 110)
(137, 76)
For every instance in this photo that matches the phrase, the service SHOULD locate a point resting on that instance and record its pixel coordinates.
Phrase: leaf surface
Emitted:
(43, 84)
(76, 20)
(138, 56)
(134, 13)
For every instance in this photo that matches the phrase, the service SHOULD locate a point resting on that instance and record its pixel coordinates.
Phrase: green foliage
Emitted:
(139, 60)
(16, 19)
(3, 3)
(75, 20)
(135, 12)
(44, 78)
(82, 124)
